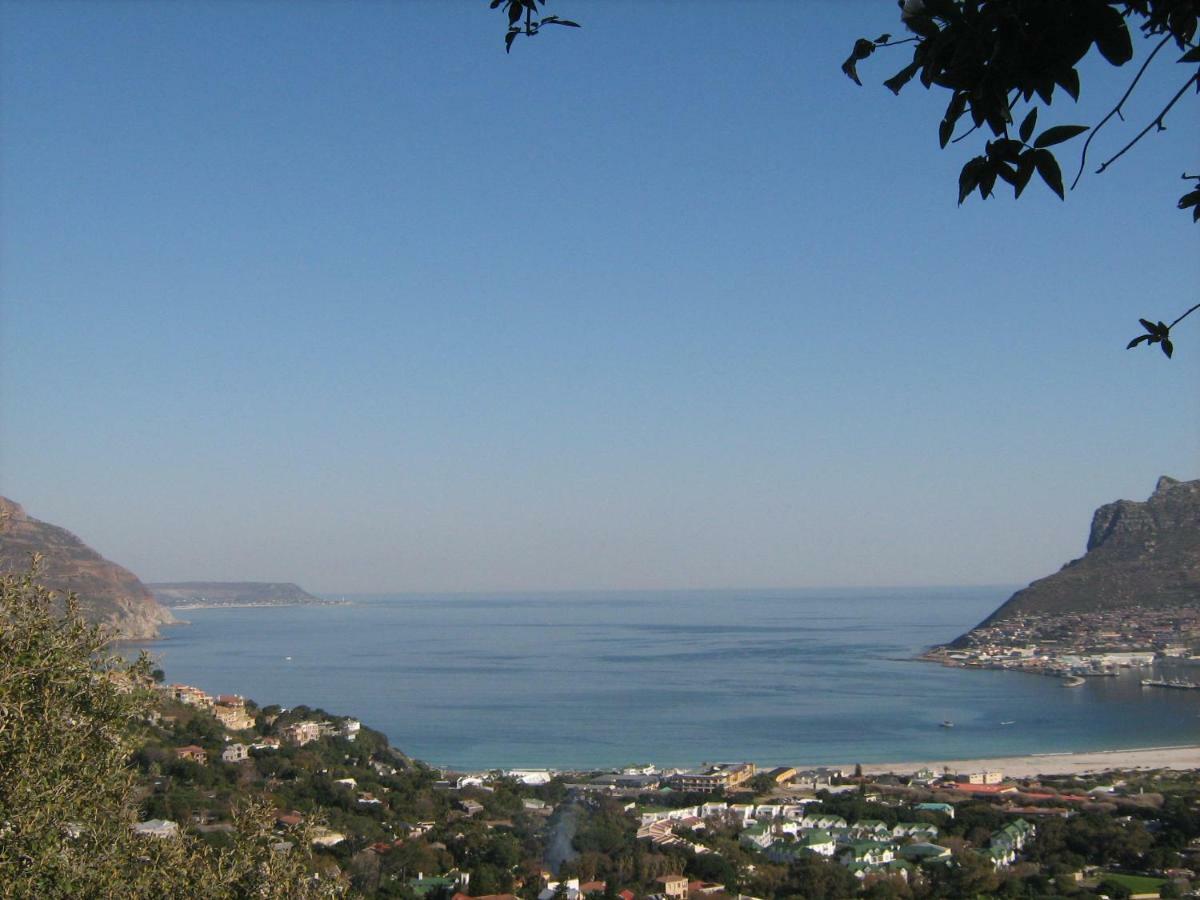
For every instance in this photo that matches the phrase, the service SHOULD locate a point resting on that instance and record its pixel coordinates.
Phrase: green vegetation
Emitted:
(1135, 884)
(69, 722)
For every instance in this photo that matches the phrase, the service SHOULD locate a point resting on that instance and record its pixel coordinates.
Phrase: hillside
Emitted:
(231, 593)
(1138, 554)
(108, 593)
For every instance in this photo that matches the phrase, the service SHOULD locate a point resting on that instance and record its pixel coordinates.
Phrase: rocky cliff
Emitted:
(108, 594)
(1138, 553)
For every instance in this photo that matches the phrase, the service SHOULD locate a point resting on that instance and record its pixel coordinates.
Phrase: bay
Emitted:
(582, 679)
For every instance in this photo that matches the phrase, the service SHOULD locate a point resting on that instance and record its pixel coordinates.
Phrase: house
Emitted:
(235, 718)
(531, 777)
(235, 753)
(674, 887)
(349, 728)
(944, 808)
(924, 852)
(914, 829)
(759, 835)
(300, 733)
(192, 752)
(160, 828)
(188, 695)
(873, 853)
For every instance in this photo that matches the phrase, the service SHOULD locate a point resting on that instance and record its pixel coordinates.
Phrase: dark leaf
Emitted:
(1136, 341)
(1167, 347)
(1148, 325)
(1007, 172)
(1112, 36)
(901, 78)
(851, 71)
(863, 48)
(1057, 134)
(1069, 82)
(1047, 167)
(945, 130)
(1025, 168)
(968, 178)
(987, 181)
(496, 3)
(1028, 124)
(1189, 199)
(508, 40)
(1192, 56)
(514, 12)
(883, 39)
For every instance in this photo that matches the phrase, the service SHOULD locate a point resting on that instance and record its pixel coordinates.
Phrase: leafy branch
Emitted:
(518, 10)
(1158, 333)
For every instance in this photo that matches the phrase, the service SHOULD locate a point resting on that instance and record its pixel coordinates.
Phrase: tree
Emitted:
(68, 713)
(1001, 63)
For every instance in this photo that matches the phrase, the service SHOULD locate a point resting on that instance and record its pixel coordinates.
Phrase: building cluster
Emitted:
(785, 833)
(1083, 644)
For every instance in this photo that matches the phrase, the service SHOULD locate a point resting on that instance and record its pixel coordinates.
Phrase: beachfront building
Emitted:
(980, 778)
(235, 753)
(715, 778)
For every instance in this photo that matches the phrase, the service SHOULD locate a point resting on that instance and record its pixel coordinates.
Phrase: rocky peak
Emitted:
(108, 594)
(1139, 553)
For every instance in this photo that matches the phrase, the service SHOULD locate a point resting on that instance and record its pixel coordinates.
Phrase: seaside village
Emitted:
(1077, 646)
(386, 825)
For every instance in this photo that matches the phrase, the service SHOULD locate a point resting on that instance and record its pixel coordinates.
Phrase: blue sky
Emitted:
(338, 293)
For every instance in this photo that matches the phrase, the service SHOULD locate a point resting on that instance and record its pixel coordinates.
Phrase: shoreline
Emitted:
(1180, 757)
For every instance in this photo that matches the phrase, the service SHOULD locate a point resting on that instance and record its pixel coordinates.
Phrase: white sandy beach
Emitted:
(1187, 757)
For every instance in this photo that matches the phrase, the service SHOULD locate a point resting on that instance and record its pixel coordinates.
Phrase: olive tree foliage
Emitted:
(1003, 64)
(69, 715)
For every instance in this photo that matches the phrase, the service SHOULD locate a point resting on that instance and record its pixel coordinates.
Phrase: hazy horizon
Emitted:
(343, 295)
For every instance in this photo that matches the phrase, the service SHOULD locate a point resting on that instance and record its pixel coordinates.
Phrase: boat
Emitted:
(1177, 683)
(1073, 680)
(947, 724)
(1009, 722)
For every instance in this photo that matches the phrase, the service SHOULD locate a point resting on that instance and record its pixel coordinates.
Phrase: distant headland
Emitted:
(215, 594)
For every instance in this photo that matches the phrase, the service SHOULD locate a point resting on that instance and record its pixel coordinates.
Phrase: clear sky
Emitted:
(338, 293)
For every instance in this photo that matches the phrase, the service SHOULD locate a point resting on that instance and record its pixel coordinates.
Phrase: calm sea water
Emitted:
(674, 678)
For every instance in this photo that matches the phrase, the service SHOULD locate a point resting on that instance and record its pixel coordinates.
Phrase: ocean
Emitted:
(582, 680)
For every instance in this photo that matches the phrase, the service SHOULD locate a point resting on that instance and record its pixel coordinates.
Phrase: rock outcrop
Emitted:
(108, 594)
(1138, 554)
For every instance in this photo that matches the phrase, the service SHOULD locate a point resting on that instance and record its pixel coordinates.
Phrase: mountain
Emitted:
(108, 594)
(1138, 554)
(231, 593)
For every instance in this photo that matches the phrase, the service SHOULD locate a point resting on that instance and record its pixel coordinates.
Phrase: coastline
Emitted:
(1078, 763)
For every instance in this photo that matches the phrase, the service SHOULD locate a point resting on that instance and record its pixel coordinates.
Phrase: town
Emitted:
(1080, 645)
(386, 825)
